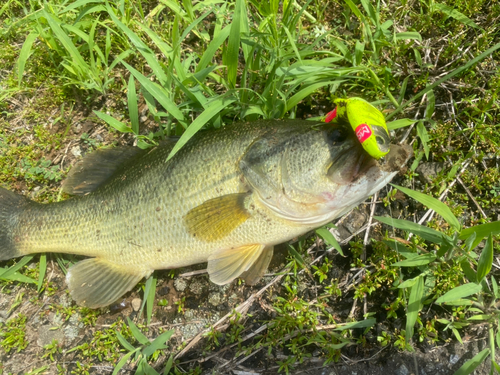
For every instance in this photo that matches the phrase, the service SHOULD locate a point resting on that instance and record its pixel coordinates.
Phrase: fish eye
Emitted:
(336, 135)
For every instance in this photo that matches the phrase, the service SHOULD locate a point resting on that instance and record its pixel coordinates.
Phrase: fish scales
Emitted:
(227, 196)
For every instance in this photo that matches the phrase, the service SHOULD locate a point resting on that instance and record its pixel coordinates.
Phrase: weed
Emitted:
(52, 349)
(13, 334)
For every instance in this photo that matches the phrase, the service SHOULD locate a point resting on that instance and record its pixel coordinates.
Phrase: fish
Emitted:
(227, 197)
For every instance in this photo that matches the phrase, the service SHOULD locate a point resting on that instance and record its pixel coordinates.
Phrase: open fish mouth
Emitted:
(355, 163)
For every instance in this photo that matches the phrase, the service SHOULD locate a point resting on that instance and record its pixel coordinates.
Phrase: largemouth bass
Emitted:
(227, 197)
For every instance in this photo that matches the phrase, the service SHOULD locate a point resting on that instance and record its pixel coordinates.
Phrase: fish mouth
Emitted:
(354, 163)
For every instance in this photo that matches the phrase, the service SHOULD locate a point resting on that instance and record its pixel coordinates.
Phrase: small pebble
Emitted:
(180, 284)
(136, 304)
(454, 359)
(402, 370)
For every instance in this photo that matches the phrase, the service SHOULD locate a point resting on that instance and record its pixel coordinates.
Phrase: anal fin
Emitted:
(97, 282)
(226, 265)
(257, 270)
(217, 217)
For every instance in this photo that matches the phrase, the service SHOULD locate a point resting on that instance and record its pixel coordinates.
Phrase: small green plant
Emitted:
(13, 334)
(81, 369)
(52, 349)
(40, 170)
(469, 296)
(181, 305)
(145, 351)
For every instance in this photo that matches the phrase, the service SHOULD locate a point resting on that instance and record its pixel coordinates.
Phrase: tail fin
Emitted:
(10, 206)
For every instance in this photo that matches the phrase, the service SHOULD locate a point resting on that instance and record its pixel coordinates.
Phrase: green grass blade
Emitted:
(212, 48)
(6, 273)
(24, 55)
(169, 365)
(176, 9)
(329, 239)
(417, 261)
(158, 92)
(482, 231)
(158, 343)
(469, 366)
(139, 336)
(444, 79)
(81, 3)
(453, 13)
(298, 258)
(401, 123)
(460, 292)
(133, 110)
(232, 53)
(124, 342)
(433, 203)
(123, 361)
(151, 300)
(211, 110)
(42, 268)
(367, 323)
(66, 42)
(424, 138)
(118, 125)
(485, 261)
(414, 306)
(149, 297)
(409, 35)
(145, 51)
(305, 92)
(426, 233)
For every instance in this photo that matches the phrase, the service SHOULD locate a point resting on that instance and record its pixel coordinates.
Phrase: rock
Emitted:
(180, 284)
(76, 151)
(215, 299)
(47, 333)
(427, 172)
(72, 330)
(355, 221)
(454, 359)
(402, 370)
(196, 287)
(136, 304)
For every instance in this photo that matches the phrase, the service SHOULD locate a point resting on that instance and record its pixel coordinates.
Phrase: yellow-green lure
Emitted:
(367, 122)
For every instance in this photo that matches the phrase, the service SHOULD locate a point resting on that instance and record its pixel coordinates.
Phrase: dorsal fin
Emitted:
(97, 167)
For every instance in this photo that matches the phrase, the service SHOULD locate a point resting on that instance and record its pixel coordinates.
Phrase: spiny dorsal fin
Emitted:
(226, 265)
(96, 168)
(97, 282)
(217, 217)
(257, 270)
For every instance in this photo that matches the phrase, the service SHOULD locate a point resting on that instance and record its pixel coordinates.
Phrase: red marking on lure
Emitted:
(331, 115)
(363, 132)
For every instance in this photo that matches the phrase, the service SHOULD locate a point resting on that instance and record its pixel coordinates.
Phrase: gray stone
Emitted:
(196, 287)
(402, 370)
(47, 333)
(180, 284)
(215, 299)
(136, 304)
(427, 172)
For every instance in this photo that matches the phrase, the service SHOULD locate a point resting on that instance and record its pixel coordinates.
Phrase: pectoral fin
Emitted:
(226, 265)
(217, 217)
(257, 270)
(97, 282)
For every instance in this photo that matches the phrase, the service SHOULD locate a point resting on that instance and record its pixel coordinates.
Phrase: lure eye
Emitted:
(382, 138)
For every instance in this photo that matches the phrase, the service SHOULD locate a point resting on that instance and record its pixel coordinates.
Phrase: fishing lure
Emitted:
(367, 122)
